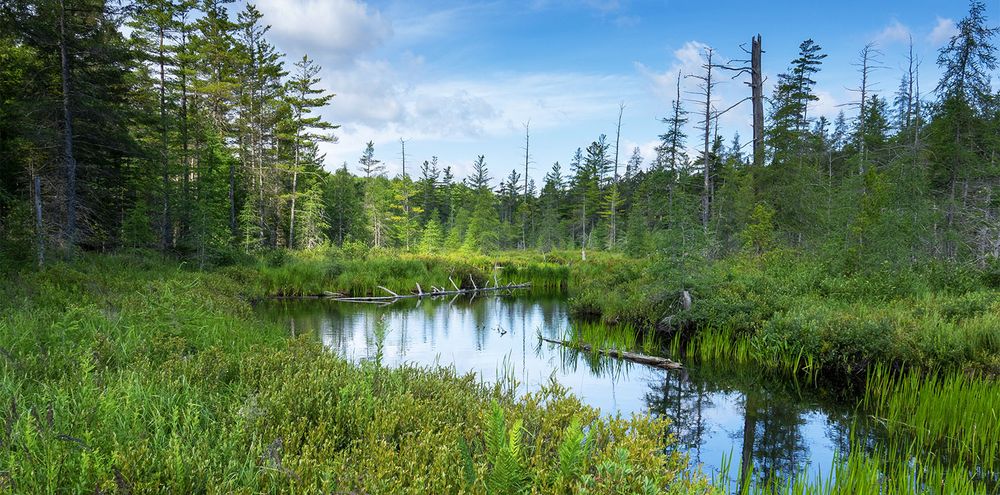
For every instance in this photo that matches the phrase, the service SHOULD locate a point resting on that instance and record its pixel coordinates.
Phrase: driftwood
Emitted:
(435, 292)
(655, 361)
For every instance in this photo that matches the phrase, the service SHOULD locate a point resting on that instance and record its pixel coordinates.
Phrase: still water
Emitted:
(781, 427)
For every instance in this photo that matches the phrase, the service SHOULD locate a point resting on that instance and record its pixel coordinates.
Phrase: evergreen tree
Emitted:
(302, 130)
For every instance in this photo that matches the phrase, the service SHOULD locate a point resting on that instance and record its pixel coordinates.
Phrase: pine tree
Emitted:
(960, 127)
(304, 131)
(672, 142)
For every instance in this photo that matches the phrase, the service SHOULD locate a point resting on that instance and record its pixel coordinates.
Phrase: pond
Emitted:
(715, 414)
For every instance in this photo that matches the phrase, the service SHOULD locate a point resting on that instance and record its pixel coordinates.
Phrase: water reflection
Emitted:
(774, 428)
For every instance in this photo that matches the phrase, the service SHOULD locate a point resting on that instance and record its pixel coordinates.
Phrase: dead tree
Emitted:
(870, 59)
(707, 85)
(757, 97)
(39, 227)
(527, 160)
(406, 196)
(756, 84)
(613, 234)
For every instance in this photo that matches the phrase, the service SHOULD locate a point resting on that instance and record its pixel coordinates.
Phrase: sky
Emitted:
(456, 79)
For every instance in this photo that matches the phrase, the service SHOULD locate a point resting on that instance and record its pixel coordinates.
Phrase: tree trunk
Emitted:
(613, 235)
(524, 225)
(757, 98)
(68, 158)
(708, 129)
(291, 219)
(185, 145)
(39, 227)
(165, 237)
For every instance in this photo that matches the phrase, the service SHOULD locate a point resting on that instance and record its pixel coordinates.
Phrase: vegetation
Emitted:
(787, 306)
(126, 374)
(863, 248)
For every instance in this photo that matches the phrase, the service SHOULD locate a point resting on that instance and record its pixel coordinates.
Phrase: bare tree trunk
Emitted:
(39, 226)
(527, 158)
(757, 97)
(707, 86)
(406, 197)
(165, 237)
(675, 129)
(68, 158)
(613, 234)
(185, 145)
(291, 216)
(583, 237)
(295, 174)
(232, 201)
(869, 62)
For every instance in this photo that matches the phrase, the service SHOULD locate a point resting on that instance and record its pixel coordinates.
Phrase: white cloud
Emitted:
(602, 6)
(340, 30)
(374, 104)
(827, 106)
(688, 59)
(895, 32)
(942, 32)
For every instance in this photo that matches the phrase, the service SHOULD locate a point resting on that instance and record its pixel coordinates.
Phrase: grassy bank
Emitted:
(919, 345)
(124, 374)
(784, 306)
(331, 269)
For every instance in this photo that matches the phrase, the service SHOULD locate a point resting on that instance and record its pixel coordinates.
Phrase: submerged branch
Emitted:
(656, 361)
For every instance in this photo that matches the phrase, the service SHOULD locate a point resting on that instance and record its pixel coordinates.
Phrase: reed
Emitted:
(955, 416)
(875, 473)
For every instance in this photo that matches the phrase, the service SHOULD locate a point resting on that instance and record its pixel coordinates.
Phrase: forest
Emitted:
(161, 172)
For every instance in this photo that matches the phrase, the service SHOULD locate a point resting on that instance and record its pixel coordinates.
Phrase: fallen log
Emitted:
(437, 291)
(656, 361)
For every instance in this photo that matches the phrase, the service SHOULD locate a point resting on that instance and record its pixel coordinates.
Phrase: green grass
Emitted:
(953, 416)
(788, 311)
(863, 472)
(128, 374)
(330, 269)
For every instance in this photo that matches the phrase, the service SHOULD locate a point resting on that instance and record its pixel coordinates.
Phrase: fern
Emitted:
(503, 451)
(573, 450)
(469, 468)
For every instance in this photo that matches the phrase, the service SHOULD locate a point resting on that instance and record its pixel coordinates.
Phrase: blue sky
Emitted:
(459, 79)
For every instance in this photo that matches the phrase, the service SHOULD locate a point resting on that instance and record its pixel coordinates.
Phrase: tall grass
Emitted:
(951, 415)
(862, 472)
(333, 271)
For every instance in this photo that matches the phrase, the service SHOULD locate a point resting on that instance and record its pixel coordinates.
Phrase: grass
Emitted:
(953, 416)
(875, 473)
(787, 311)
(132, 374)
(333, 270)
(128, 374)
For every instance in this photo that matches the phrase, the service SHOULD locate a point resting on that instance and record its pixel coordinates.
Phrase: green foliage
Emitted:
(125, 374)
(432, 239)
(758, 236)
(505, 474)
(573, 452)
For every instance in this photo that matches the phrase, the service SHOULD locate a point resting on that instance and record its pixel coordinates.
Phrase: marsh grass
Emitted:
(128, 374)
(954, 416)
(603, 336)
(330, 270)
(864, 472)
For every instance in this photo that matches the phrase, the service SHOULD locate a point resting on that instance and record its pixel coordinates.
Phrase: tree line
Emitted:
(191, 134)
